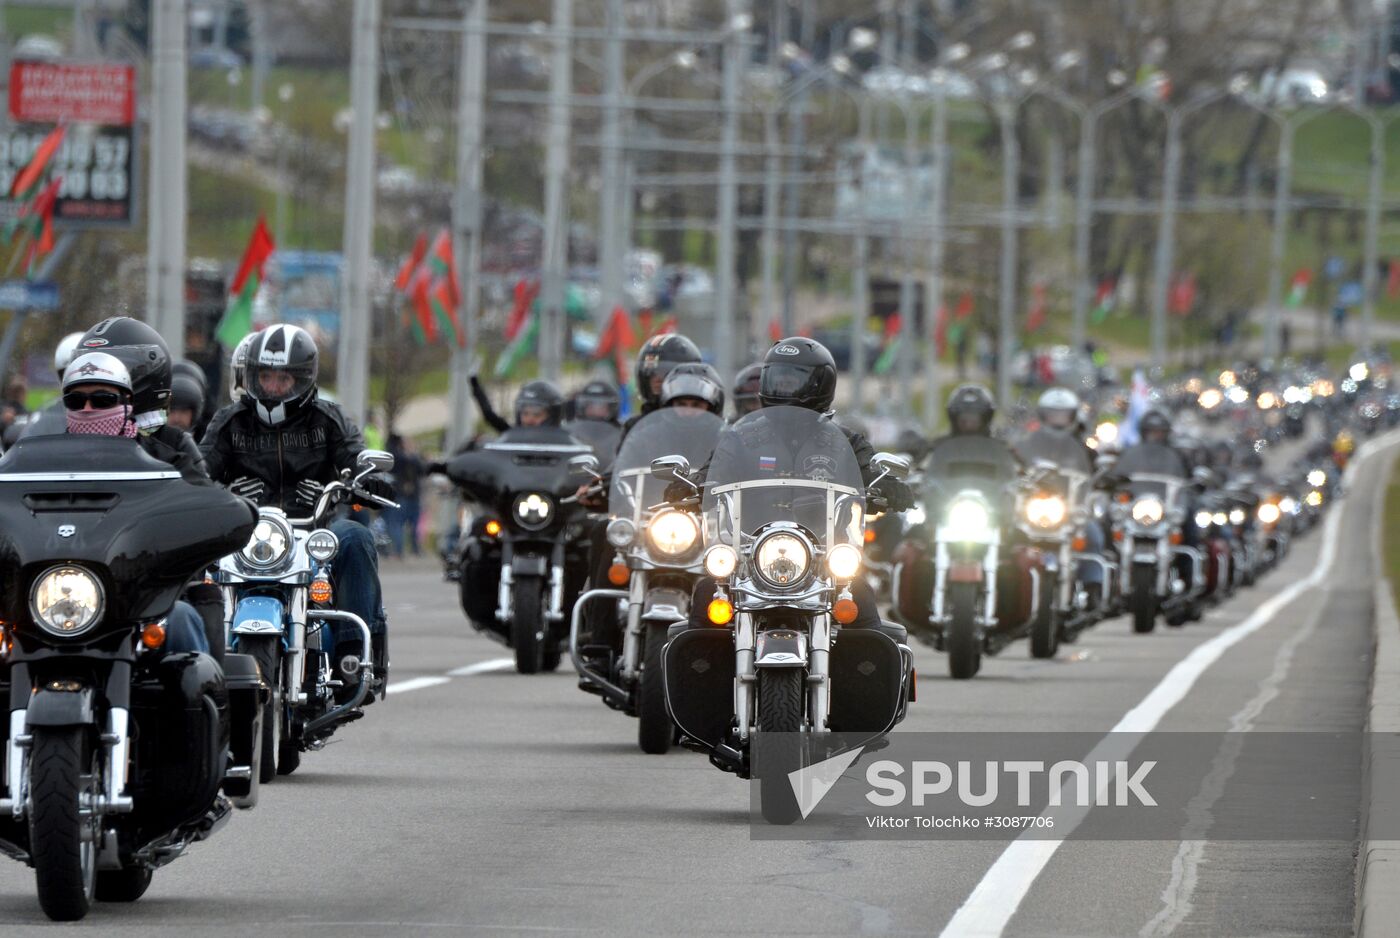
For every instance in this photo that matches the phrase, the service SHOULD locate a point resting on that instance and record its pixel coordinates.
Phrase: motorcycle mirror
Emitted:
(585, 464)
(374, 460)
(1203, 477)
(670, 467)
(890, 464)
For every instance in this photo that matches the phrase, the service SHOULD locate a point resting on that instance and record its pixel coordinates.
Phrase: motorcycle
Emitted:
(654, 570)
(1166, 576)
(114, 753)
(525, 557)
(777, 670)
(279, 610)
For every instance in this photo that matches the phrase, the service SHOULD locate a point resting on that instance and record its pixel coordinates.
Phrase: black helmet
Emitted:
(800, 372)
(1156, 423)
(188, 389)
(597, 400)
(694, 380)
(971, 409)
(141, 349)
(746, 384)
(540, 395)
(280, 353)
(658, 356)
(1058, 408)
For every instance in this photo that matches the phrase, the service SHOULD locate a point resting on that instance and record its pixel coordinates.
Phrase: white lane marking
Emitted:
(467, 670)
(416, 683)
(482, 667)
(1177, 897)
(991, 905)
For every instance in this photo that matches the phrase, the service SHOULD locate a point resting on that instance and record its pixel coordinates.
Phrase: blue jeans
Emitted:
(184, 630)
(356, 572)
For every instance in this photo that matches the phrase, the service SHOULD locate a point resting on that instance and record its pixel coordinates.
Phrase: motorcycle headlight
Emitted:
(672, 533)
(1269, 513)
(621, 533)
(1106, 432)
(1202, 519)
(1288, 505)
(915, 516)
(843, 562)
(1046, 511)
(1317, 478)
(1314, 498)
(782, 559)
(533, 510)
(66, 600)
(1210, 398)
(270, 544)
(1148, 510)
(720, 561)
(1237, 516)
(1220, 518)
(322, 545)
(968, 520)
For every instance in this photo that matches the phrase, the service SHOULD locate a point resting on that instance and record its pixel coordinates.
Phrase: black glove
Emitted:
(248, 487)
(308, 490)
(895, 494)
(377, 487)
(436, 467)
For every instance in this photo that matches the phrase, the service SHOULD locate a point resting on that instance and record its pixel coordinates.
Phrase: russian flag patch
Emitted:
(767, 463)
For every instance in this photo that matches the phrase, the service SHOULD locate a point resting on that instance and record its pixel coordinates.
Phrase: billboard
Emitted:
(97, 161)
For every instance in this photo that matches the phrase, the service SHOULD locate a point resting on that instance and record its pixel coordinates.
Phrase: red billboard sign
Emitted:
(54, 92)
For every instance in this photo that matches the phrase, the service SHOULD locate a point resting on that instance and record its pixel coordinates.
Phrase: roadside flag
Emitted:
(238, 315)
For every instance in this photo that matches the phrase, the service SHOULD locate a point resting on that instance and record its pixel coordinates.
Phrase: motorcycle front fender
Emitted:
(258, 615)
(50, 707)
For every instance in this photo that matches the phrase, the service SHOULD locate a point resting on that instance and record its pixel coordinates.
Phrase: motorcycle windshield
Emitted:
(104, 503)
(523, 459)
(785, 464)
(1151, 459)
(1054, 446)
(980, 463)
(670, 431)
(600, 435)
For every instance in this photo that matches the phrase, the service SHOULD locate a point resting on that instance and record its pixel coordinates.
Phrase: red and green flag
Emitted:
(445, 295)
(521, 346)
(1040, 305)
(424, 321)
(1298, 287)
(27, 182)
(34, 225)
(962, 313)
(410, 264)
(890, 354)
(1182, 297)
(618, 340)
(238, 315)
(1105, 297)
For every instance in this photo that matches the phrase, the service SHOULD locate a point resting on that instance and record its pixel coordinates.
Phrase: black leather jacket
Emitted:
(316, 444)
(175, 446)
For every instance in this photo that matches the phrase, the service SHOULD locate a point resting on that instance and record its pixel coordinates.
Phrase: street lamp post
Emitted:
(285, 92)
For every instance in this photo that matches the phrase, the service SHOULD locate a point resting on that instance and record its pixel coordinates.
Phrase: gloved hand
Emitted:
(308, 490)
(437, 467)
(377, 487)
(897, 495)
(248, 487)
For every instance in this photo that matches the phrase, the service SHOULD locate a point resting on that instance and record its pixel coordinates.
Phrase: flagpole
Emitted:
(165, 237)
(352, 358)
(466, 214)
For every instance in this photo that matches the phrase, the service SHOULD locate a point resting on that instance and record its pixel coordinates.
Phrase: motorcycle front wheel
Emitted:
(782, 700)
(267, 652)
(64, 824)
(654, 727)
(527, 628)
(960, 637)
(1045, 627)
(1144, 599)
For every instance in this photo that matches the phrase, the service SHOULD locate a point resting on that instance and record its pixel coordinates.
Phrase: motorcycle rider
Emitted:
(97, 399)
(800, 372)
(1154, 452)
(693, 386)
(187, 398)
(596, 400)
(237, 363)
(51, 418)
(745, 392)
(657, 357)
(538, 404)
(280, 444)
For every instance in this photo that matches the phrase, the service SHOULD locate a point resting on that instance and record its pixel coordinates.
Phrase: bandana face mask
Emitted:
(109, 421)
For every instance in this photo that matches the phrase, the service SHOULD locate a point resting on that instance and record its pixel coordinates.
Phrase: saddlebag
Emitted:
(867, 673)
(247, 692)
(1015, 589)
(914, 576)
(179, 708)
(699, 670)
(481, 572)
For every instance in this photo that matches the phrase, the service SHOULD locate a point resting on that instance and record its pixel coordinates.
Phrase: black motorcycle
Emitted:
(525, 557)
(114, 752)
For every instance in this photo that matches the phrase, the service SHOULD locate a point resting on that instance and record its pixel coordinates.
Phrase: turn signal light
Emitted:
(153, 635)
(618, 575)
(1079, 543)
(320, 591)
(493, 527)
(844, 610)
(869, 536)
(720, 611)
(1124, 498)
(1176, 537)
(1118, 535)
(913, 686)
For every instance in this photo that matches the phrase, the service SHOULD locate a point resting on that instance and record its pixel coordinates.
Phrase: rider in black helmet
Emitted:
(596, 400)
(187, 398)
(745, 393)
(657, 357)
(693, 385)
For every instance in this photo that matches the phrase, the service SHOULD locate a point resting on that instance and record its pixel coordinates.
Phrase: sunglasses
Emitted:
(101, 400)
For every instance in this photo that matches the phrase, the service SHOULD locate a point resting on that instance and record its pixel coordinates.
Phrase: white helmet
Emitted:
(97, 368)
(1058, 408)
(237, 366)
(64, 353)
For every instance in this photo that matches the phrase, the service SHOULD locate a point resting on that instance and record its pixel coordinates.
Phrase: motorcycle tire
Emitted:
(654, 727)
(288, 756)
(1144, 599)
(527, 628)
(267, 652)
(960, 636)
(782, 701)
(550, 660)
(1045, 627)
(124, 885)
(63, 852)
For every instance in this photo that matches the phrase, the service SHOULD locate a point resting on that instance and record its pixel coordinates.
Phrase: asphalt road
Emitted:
(493, 803)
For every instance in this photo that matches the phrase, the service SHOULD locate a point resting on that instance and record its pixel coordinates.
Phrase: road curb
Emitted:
(1378, 860)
